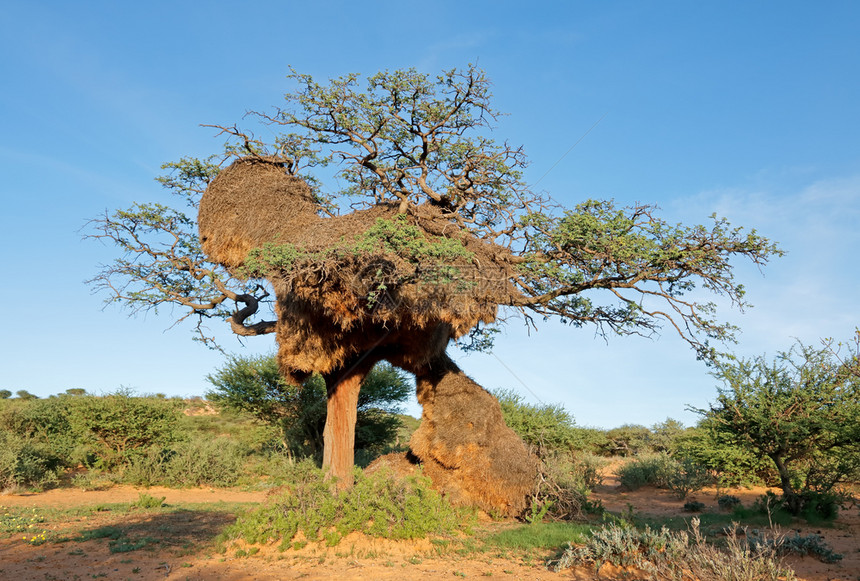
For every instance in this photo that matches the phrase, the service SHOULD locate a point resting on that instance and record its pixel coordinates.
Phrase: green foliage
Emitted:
(666, 435)
(647, 470)
(733, 465)
(254, 385)
(694, 506)
(728, 502)
(662, 471)
(121, 426)
(538, 536)
(25, 395)
(5, 394)
(378, 505)
(812, 506)
(545, 428)
(628, 440)
(199, 461)
(27, 463)
(146, 501)
(801, 411)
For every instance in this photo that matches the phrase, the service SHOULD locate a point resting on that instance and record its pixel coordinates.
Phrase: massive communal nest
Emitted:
(379, 284)
(349, 284)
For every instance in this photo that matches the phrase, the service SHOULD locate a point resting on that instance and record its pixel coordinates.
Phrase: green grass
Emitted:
(538, 536)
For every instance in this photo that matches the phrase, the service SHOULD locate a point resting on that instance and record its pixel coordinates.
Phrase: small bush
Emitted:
(667, 556)
(689, 477)
(811, 544)
(25, 463)
(663, 471)
(545, 428)
(206, 462)
(147, 501)
(728, 502)
(694, 506)
(814, 506)
(648, 470)
(377, 505)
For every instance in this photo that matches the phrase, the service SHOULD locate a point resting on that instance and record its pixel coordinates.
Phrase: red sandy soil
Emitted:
(185, 550)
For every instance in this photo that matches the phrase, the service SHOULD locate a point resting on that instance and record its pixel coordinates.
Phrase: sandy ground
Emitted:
(184, 550)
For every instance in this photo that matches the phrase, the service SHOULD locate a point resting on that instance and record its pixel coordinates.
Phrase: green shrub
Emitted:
(254, 385)
(628, 440)
(197, 462)
(666, 435)
(734, 466)
(648, 470)
(121, 426)
(204, 461)
(663, 471)
(545, 428)
(814, 506)
(147, 501)
(689, 476)
(378, 505)
(146, 468)
(728, 502)
(801, 411)
(694, 506)
(44, 422)
(25, 463)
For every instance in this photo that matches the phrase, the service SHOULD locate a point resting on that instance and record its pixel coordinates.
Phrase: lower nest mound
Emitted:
(465, 447)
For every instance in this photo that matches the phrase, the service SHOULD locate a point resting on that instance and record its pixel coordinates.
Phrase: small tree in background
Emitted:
(802, 411)
(255, 385)
(5, 394)
(120, 426)
(543, 428)
(628, 440)
(666, 434)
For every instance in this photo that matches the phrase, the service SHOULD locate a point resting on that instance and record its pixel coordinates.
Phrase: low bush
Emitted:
(206, 462)
(797, 544)
(814, 506)
(197, 462)
(377, 505)
(728, 502)
(27, 464)
(694, 506)
(647, 470)
(674, 556)
(663, 471)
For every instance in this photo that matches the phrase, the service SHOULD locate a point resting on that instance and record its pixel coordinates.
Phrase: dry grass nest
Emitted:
(373, 277)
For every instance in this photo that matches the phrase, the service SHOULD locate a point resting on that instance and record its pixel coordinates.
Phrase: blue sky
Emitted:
(750, 110)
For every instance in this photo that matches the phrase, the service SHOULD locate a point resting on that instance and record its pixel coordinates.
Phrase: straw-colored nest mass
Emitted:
(379, 285)
(402, 285)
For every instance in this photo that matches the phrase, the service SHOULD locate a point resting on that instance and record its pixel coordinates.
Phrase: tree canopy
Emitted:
(255, 385)
(409, 139)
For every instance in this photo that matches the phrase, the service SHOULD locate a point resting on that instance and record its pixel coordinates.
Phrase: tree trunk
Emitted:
(789, 495)
(339, 432)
